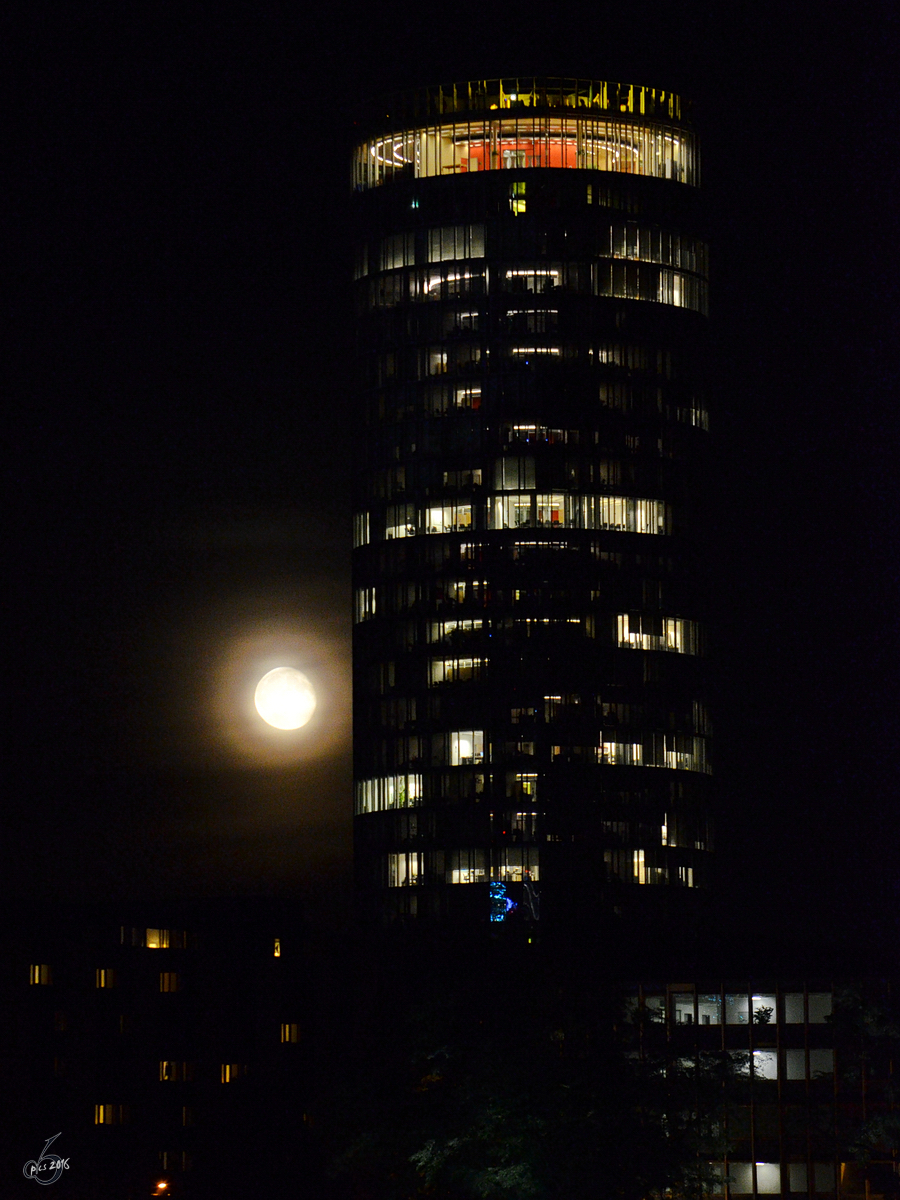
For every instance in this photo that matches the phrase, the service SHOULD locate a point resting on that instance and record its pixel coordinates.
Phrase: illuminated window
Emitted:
(400, 521)
(105, 977)
(467, 397)
(682, 1008)
(169, 981)
(164, 939)
(39, 973)
(448, 518)
(361, 535)
(390, 791)
(465, 866)
(517, 201)
(452, 631)
(364, 604)
(110, 1114)
(645, 632)
(576, 140)
(231, 1072)
(709, 1010)
(466, 747)
(765, 1064)
(290, 1033)
(455, 670)
(405, 870)
(518, 863)
(277, 949)
(764, 1009)
(511, 512)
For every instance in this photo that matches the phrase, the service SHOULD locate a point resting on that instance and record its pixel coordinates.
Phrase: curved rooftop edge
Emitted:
(522, 93)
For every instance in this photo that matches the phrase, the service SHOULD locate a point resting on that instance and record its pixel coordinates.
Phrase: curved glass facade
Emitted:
(501, 143)
(532, 738)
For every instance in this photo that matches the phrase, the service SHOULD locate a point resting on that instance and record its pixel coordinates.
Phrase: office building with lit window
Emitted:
(530, 693)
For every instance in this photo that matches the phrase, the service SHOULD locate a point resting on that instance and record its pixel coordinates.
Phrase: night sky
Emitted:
(181, 430)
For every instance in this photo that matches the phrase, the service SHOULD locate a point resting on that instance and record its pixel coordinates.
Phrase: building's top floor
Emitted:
(451, 101)
(487, 125)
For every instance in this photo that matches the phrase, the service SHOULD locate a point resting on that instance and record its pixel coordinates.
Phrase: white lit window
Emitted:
(405, 870)
(518, 863)
(440, 631)
(765, 1064)
(467, 397)
(455, 670)
(364, 604)
(465, 866)
(387, 792)
(466, 747)
(511, 512)
(448, 518)
(644, 632)
(400, 521)
(361, 529)
(768, 1179)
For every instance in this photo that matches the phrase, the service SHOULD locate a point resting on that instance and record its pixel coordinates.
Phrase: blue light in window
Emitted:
(501, 905)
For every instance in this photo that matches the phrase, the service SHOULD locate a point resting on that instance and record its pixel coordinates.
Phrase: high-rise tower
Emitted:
(531, 725)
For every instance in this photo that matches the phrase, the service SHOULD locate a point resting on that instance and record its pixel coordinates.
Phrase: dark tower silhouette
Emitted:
(531, 724)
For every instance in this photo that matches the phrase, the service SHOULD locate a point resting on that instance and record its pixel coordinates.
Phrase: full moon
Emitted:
(285, 698)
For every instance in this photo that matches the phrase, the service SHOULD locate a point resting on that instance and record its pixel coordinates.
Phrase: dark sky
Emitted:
(180, 434)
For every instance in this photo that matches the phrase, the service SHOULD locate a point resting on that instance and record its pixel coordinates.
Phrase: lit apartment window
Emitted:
(467, 746)
(110, 1114)
(169, 981)
(39, 973)
(290, 1033)
(277, 951)
(105, 977)
(231, 1072)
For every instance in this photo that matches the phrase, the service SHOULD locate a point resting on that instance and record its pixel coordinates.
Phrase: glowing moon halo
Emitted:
(285, 698)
